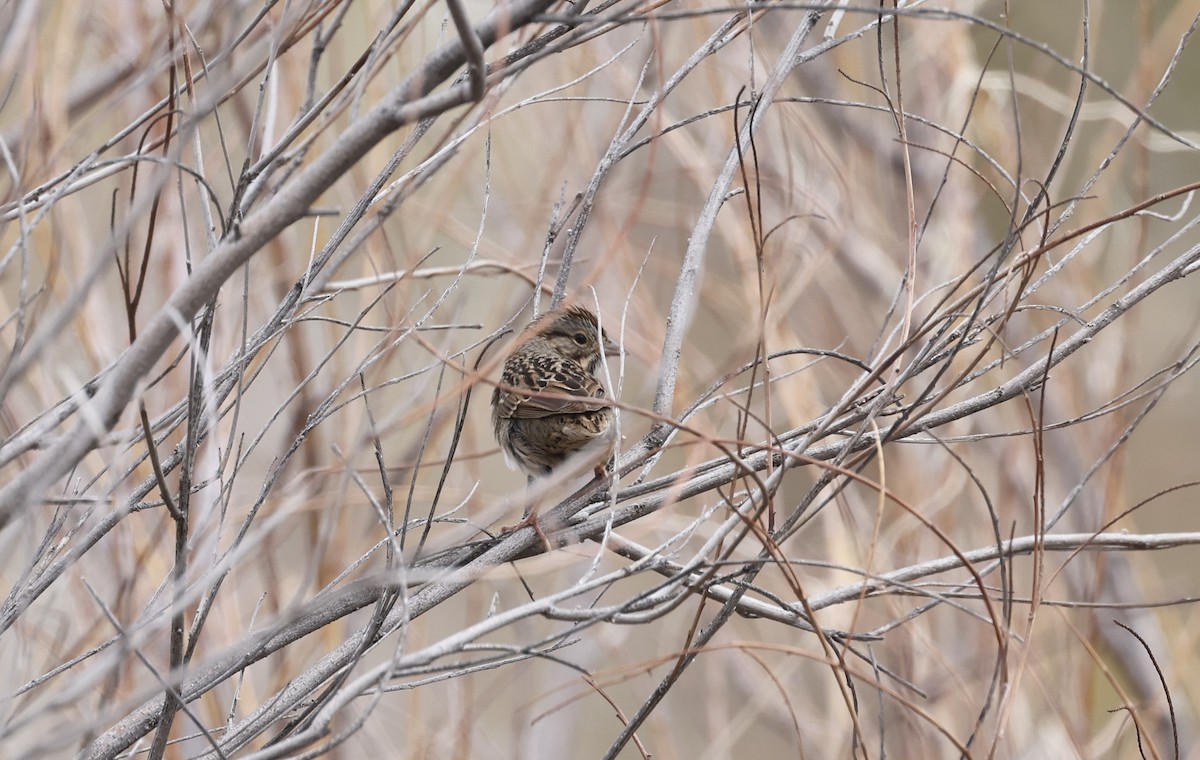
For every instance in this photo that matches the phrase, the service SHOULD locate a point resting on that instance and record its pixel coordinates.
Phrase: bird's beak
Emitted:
(611, 348)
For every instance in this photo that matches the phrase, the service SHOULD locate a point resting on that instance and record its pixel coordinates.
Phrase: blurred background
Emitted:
(964, 235)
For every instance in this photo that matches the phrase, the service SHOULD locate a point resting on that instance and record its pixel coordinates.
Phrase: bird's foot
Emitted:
(530, 521)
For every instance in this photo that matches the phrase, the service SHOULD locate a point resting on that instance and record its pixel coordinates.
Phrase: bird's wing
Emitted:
(549, 388)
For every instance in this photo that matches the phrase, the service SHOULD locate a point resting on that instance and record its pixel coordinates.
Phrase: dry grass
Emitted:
(255, 260)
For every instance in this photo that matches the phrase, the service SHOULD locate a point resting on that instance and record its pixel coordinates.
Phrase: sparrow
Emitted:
(550, 405)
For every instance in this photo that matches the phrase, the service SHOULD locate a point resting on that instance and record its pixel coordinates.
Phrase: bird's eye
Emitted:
(580, 338)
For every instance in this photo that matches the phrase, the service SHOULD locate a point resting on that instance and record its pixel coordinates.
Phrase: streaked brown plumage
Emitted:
(550, 404)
